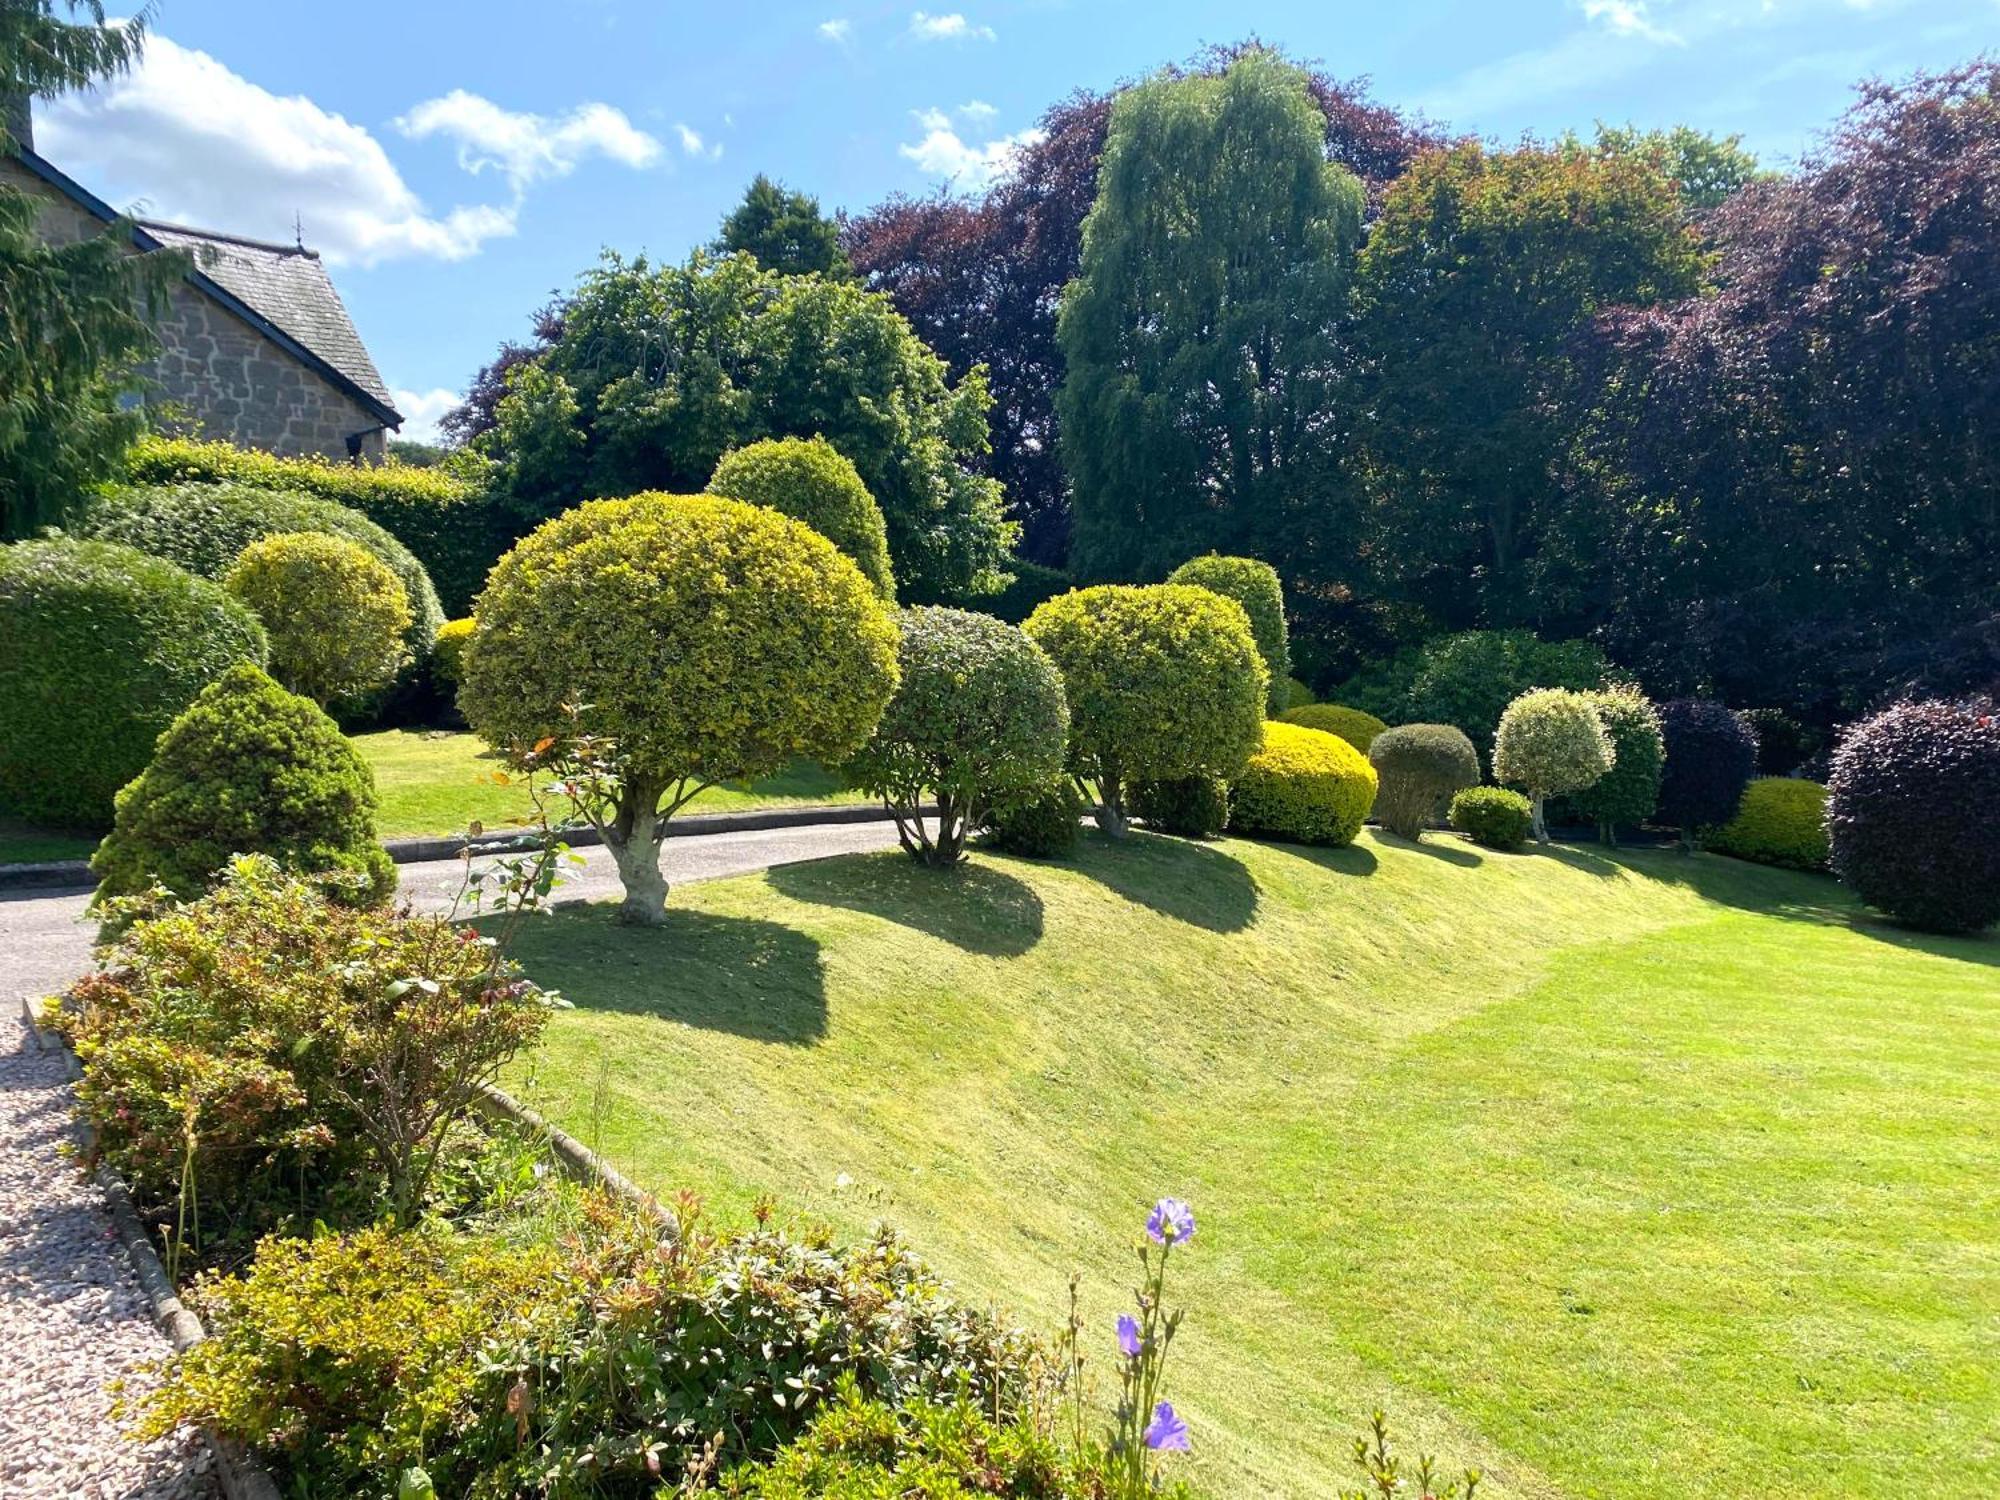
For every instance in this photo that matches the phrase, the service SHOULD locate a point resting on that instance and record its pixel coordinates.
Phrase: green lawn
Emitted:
(1637, 1176)
(25, 844)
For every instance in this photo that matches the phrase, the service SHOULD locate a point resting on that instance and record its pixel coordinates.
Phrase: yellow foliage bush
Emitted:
(1304, 785)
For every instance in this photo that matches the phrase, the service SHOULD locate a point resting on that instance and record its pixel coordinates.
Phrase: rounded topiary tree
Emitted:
(1781, 821)
(1418, 767)
(1630, 790)
(335, 614)
(1162, 681)
(248, 769)
(1906, 807)
(203, 527)
(1550, 741)
(101, 647)
(810, 480)
(1711, 755)
(709, 640)
(978, 720)
(1190, 807)
(1493, 817)
(1303, 785)
(1255, 586)
(1356, 726)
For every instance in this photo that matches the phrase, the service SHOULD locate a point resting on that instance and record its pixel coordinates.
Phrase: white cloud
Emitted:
(947, 28)
(977, 109)
(1627, 18)
(422, 411)
(694, 145)
(525, 148)
(967, 165)
(839, 30)
(196, 142)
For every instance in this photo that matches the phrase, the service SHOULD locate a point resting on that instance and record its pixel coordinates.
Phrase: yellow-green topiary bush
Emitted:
(1304, 785)
(335, 614)
(448, 655)
(1354, 725)
(1780, 821)
(1255, 586)
(810, 480)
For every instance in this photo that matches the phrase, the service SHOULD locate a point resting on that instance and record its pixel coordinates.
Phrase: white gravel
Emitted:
(71, 1314)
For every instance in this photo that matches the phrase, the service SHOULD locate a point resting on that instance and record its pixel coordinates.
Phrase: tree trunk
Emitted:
(1607, 833)
(634, 841)
(1111, 808)
(1540, 824)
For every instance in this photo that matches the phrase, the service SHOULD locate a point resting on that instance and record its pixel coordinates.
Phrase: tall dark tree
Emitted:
(785, 231)
(480, 411)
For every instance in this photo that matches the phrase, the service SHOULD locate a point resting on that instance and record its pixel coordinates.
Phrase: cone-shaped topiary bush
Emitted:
(1493, 817)
(1551, 741)
(1419, 767)
(248, 769)
(1780, 821)
(101, 647)
(810, 480)
(1711, 755)
(1907, 806)
(1304, 785)
(1255, 586)
(1357, 726)
(335, 615)
(1627, 793)
(1189, 807)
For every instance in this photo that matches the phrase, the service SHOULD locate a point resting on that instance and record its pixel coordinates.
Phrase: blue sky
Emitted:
(457, 163)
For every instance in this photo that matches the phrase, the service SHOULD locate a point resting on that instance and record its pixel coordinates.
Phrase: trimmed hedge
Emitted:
(1189, 807)
(1298, 695)
(810, 480)
(1354, 725)
(1628, 792)
(1040, 826)
(335, 615)
(442, 513)
(1781, 821)
(1419, 766)
(248, 769)
(1493, 817)
(1304, 785)
(1255, 586)
(1711, 754)
(1908, 809)
(104, 646)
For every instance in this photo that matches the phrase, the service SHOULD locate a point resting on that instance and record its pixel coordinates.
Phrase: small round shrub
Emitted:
(1298, 695)
(1304, 785)
(1627, 793)
(810, 480)
(335, 615)
(1255, 586)
(1163, 681)
(1710, 756)
(1783, 743)
(448, 654)
(1189, 807)
(1907, 806)
(101, 647)
(204, 526)
(1418, 767)
(1468, 679)
(1493, 817)
(1041, 825)
(1551, 741)
(978, 719)
(1781, 821)
(1354, 725)
(248, 769)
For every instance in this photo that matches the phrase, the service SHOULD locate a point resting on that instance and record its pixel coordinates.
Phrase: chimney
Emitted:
(17, 120)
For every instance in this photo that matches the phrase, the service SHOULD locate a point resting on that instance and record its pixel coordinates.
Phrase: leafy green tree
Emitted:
(1706, 169)
(1201, 332)
(785, 231)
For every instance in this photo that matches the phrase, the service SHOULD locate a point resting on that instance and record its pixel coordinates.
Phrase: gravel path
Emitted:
(71, 1314)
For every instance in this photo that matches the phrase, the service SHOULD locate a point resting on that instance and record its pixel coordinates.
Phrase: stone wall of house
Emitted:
(216, 375)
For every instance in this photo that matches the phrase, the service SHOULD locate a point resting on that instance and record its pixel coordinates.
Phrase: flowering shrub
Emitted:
(248, 769)
(810, 480)
(1418, 766)
(1304, 785)
(1780, 821)
(1630, 790)
(1354, 725)
(1191, 807)
(335, 615)
(1906, 809)
(1493, 817)
(978, 719)
(1255, 586)
(1041, 825)
(1550, 741)
(1163, 681)
(1710, 755)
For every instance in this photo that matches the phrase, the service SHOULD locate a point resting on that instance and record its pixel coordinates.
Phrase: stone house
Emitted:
(255, 345)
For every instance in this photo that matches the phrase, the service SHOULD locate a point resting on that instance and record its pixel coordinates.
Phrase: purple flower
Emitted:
(1128, 1335)
(1171, 1222)
(1167, 1430)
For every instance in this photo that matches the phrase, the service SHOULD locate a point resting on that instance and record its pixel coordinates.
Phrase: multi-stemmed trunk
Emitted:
(947, 845)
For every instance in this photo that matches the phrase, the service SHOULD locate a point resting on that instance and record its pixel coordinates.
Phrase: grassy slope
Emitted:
(1630, 1177)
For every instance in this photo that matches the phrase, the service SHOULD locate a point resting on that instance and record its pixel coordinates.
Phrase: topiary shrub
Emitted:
(1041, 825)
(1357, 727)
(1298, 695)
(1493, 817)
(1468, 679)
(204, 527)
(809, 480)
(1781, 821)
(1551, 741)
(707, 639)
(103, 648)
(1304, 785)
(334, 614)
(248, 769)
(1031, 585)
(1710, 755)
(1628, 792)
(1162, 681)
(1783, 743)
(1189, 807)
(978, 719)
(1255, 586)
(1906, 811)
(1418, 767)
(448, 654)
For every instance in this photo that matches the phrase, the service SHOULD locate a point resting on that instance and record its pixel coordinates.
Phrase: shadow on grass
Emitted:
(971, 906)
(741, 975)
(1445, 847)
(1179, 878)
